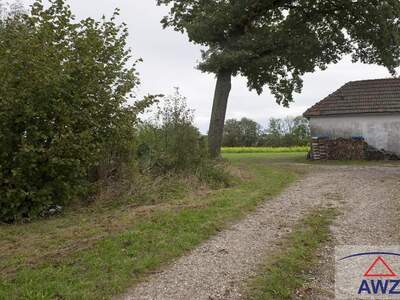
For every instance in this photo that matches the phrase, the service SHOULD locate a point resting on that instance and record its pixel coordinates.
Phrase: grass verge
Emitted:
(289, 158)
(284, 273)
(265, 149)
(99, 254)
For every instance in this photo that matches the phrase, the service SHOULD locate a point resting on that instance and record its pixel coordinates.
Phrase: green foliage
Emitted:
(214, 174)
(275, 43)
(154, 238)
(288, 132)
(64, 87)
(170, 142)
(244, 133)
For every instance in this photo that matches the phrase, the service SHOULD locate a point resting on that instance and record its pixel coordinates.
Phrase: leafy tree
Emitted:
(232, 133)
(250, 132)
(275, 127)
(275, 42)
(274, 133)
(63, 111)
(170, 142)
(286, 132)
(301, 131)
(243, 133)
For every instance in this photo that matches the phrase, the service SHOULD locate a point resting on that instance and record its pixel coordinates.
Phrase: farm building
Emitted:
(365, 112)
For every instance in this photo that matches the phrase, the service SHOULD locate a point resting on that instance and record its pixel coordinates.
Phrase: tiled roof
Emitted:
(358, 97)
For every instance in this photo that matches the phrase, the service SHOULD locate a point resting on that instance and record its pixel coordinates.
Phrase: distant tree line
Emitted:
(286, 132)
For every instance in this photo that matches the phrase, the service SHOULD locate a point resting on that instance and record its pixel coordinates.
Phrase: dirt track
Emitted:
(219, 268)
(370, 217)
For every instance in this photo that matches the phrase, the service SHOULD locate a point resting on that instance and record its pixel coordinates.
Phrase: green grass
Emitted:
(284, 273)
(264, 149)
(113, 250)
(268, 158)
(301, 157)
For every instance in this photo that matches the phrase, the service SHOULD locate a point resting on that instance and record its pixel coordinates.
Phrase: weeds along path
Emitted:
(219, 267)
(370, 206)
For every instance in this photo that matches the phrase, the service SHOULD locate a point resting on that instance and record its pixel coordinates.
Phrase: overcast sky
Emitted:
(170, 60)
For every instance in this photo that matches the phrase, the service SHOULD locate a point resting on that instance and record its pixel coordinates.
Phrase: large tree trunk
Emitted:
(217, 122)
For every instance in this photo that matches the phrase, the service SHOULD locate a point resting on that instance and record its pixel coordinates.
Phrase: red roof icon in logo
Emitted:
(379, 262)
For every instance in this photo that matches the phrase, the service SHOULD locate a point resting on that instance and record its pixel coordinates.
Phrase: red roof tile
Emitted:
(358, 97)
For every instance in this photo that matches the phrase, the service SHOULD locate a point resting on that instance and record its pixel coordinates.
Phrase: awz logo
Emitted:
(379, 278)
(379, 287)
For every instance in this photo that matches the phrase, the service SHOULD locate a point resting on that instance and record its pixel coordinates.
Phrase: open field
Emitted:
(267, 158)
(98, 253)
(264, 149)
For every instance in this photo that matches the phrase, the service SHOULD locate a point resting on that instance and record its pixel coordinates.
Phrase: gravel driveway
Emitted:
(219, 267)
(370, 216)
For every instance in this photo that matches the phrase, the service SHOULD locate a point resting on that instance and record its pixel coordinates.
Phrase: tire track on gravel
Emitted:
(370, 217)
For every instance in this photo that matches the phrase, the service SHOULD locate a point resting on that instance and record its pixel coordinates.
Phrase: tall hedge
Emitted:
(63, 92)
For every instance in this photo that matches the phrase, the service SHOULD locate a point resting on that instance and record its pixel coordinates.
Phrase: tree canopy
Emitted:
(275, 42)
(243, 133)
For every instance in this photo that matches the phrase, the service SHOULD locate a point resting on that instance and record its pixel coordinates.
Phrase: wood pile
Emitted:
(372, 153)
(318, 149)
(347, 149)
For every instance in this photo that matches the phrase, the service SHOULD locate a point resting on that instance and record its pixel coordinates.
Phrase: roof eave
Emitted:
(308, 116)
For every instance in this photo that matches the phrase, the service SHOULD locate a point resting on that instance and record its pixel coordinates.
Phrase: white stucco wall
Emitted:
(380, 131)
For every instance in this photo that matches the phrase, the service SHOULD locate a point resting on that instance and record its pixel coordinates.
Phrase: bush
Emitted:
(171, 143)
(214, 174)
(63, 111)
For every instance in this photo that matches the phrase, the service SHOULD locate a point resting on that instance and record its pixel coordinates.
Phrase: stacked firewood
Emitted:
(372, 153)
(347, 149)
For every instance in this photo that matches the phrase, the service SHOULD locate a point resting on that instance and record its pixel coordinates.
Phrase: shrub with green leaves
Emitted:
(170, 142)
(63, 112)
